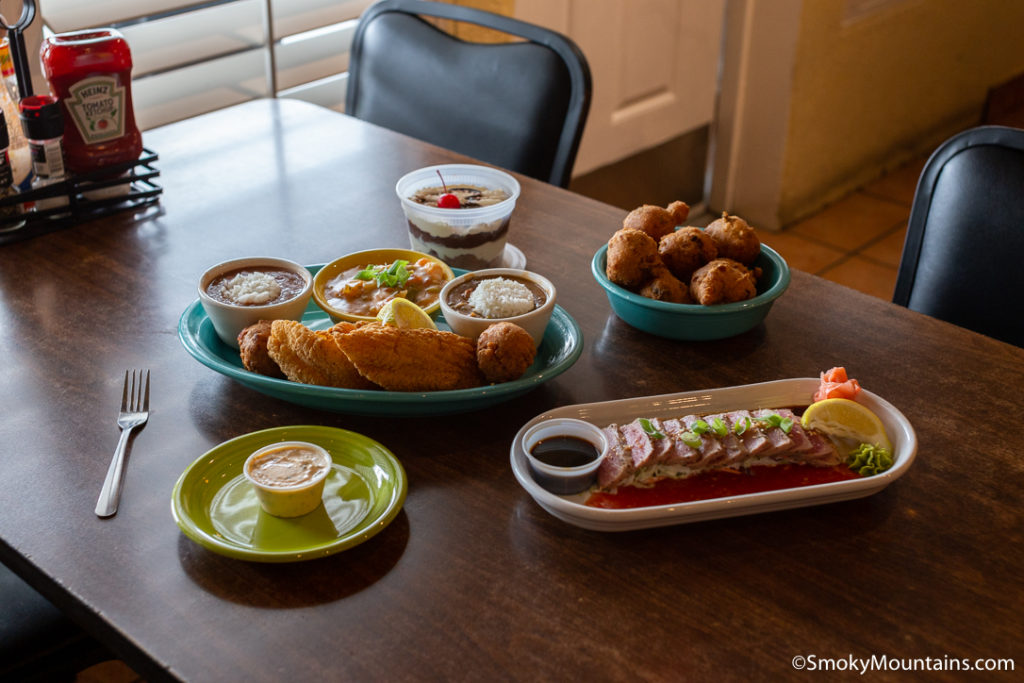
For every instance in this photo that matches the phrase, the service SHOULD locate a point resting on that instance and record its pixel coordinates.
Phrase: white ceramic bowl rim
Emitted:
(422, 177)
(769, 295)
(564, 426)
(267, 261)
(320, 450)
(544, 283)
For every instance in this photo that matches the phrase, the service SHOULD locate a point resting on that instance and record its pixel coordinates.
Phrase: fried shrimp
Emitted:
(504, 351)
(655, 220)
(632, 255)
(411, 359)
(312, 356)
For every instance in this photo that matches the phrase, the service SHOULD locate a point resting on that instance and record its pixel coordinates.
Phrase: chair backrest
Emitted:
(963, 258)
(519, 105)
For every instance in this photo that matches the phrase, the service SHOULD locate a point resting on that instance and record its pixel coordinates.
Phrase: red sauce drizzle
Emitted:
(720, 484)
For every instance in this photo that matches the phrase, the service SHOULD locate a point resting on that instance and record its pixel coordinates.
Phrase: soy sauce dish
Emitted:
(564, 454)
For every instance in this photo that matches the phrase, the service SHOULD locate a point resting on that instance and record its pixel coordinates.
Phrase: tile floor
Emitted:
(856, 241)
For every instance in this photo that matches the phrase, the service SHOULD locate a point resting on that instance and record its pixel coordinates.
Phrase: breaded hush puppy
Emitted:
(734, 238)
(723, 281)
(632, 254)
(664, 286)
(686, 250)
(504, 351)
(655, 220)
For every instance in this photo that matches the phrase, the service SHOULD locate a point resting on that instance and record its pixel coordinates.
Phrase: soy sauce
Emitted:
(564, 451)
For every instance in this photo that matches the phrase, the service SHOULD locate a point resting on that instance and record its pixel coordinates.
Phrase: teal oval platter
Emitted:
(559, 350)
(216, 507)
(693, 322)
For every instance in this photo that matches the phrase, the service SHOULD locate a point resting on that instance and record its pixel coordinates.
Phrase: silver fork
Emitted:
(134, 412)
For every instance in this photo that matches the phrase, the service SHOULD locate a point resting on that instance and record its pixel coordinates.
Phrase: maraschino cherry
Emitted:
(447, 200)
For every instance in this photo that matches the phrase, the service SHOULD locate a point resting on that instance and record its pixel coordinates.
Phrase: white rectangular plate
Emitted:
(779, 394)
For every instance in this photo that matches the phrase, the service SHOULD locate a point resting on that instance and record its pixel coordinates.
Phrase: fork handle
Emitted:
(111, 491)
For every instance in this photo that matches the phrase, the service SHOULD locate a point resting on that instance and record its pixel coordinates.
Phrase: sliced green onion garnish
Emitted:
(741, 426)
(393, 275)
(690, 439)
(649, 429)
(786, 424)
(699, 427)
(719, 427)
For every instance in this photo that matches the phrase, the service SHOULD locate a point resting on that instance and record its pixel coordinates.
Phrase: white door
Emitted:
(654, 65)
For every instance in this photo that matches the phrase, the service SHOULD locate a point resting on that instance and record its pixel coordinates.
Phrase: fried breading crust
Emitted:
(655, 220)
(724, 281)
(735, 239)
(313, 357)
(632, 254)
(411, 359)
(664, 286)
(504, 351)
(252, 349)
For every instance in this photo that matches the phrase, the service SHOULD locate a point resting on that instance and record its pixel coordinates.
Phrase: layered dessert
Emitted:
(471, 246)
(459, 213)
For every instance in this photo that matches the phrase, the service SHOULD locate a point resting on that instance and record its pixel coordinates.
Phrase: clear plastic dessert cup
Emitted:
(470, 237)
(288, 477)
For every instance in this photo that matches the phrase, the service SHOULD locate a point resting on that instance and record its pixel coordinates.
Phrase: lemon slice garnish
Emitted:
(403, 313)
(846, 420)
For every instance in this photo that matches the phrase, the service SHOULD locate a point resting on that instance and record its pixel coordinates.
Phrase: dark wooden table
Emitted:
(473, 580)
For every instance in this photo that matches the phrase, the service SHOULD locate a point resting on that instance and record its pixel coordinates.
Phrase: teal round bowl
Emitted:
(693, 322)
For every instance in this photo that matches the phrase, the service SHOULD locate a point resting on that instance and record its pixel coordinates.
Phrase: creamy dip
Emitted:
(287, 467)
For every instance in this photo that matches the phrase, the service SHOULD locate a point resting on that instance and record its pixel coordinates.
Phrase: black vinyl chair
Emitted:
(520, 105)
(37, 642)
(962, 258)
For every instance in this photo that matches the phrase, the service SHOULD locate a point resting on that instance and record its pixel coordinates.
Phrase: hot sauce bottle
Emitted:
(89, 72)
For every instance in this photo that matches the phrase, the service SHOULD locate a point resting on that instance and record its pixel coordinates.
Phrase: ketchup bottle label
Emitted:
(96, 105)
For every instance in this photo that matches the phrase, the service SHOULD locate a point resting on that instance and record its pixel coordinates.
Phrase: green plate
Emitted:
(217, 508)
(560, 348)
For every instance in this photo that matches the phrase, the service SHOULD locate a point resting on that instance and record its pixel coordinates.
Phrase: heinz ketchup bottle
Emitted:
(90, 73)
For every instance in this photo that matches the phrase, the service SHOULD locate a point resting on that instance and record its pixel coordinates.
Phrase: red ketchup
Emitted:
(90, 73)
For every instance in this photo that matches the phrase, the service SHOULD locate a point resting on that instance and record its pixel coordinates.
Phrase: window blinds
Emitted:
(193, 57)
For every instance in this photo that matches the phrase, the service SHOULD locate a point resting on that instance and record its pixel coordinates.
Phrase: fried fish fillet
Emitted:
(252, 349)
(312, 356)
(411, 359)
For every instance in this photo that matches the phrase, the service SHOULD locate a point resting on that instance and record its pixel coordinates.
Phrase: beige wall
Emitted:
(869, 94)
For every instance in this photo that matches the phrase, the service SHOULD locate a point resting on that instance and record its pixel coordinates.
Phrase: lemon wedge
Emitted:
(846, 420)
(403, 313)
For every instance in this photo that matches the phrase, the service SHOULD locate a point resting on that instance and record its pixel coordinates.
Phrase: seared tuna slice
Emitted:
(711, 450)
(780, 442)
(823, 453)
(753, 438)
(617, 465)
(646, 449)
(681, 454)
(735, 453)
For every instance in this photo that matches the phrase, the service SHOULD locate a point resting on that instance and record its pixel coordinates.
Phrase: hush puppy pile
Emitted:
(689, 265)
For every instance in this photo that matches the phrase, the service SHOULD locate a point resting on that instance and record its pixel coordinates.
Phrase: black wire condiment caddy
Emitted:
(130, 185)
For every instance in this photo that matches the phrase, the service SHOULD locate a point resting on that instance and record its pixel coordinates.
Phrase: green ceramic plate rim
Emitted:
(387, 401)
(598, 263)
(366, 529)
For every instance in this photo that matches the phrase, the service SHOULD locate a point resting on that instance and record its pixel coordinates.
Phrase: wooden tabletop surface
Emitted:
(473, 580)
